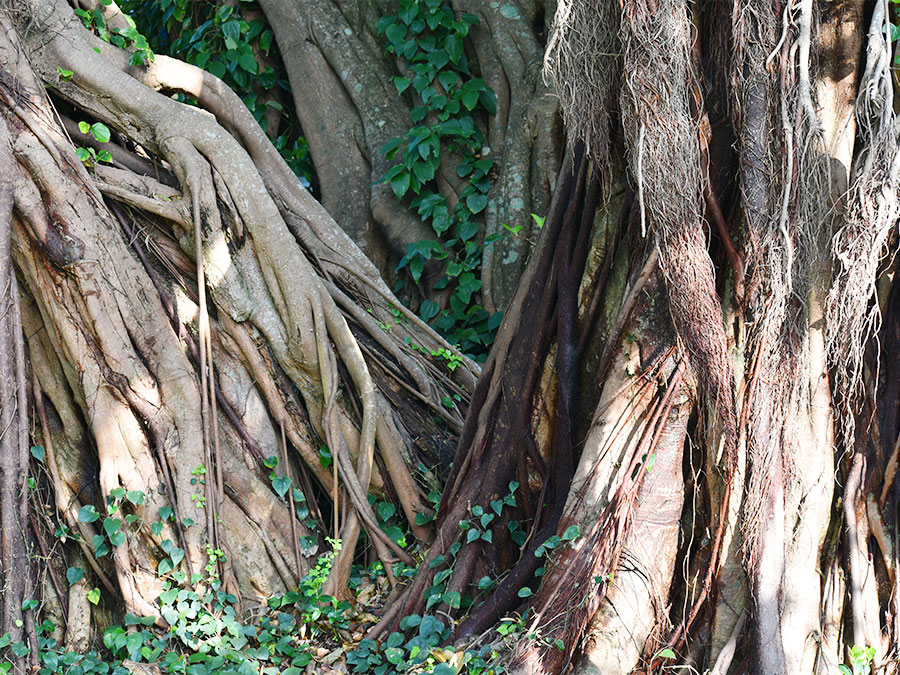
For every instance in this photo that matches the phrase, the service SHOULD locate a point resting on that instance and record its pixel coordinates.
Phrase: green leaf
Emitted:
(424, 171)
(93, 595)
(136, 497)
(483, 165)
(111, 525)
(165, 566)
(442, 576)
(177, 555)
(117, 538)
(525, 592)
(232, 29)
(416, 267)
(666, 654)
(389, 147)
(472, 535)
(74, 575)
(447, 78)
(394, 655)
(325, 456)
(572, 532)
(395, 33)
(466, 286)
(452, 599)
(396, 534)
(488, 100)
(417, 114)
(281, 485)
(497, 506)
(485, 583)
(88, 514)
(248, 62)
(454, 46)
(100, 546)
(37, 452)
(476, 202)
(402, 84)
(466, 230)
(386, 510)
(217, 68)
(265, 39)
(84, 127)
(431, 626)
(400, 184)
(100, 131)
(438, 58)
(410, 621)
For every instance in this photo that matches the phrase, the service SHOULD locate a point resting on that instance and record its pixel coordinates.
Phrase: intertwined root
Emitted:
(184, 400)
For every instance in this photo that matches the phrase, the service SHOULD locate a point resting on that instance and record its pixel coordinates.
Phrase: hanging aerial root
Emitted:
(15, 620)
(658, 100)
(664, 150)
(581, 62)
(788, 208)
(858, 248)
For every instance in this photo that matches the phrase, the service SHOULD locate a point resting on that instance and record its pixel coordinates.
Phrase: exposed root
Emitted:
(160, 375)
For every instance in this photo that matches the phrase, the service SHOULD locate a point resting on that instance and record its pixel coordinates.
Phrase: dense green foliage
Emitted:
(206, 634)
(446, 97)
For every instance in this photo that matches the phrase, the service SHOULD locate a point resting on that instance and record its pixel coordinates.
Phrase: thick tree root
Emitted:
(119, 328)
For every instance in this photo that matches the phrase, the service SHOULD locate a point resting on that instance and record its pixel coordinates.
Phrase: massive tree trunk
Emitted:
(684, 442)
(355, 109)
(191, 317)
(701, 436)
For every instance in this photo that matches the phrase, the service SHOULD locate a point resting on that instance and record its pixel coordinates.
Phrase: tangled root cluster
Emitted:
(860, 245)
(582, 60)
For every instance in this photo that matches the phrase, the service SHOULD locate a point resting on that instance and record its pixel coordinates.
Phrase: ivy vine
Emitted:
(428, 41)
